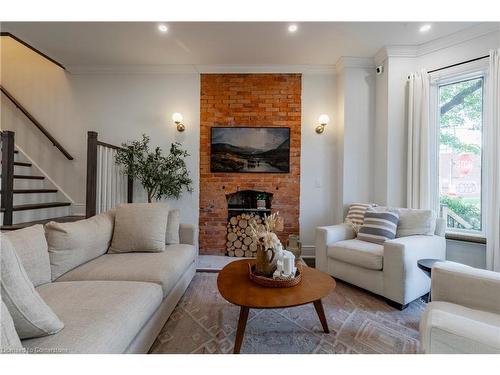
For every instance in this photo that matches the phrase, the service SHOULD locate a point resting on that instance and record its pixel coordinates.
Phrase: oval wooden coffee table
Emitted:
(236, 287)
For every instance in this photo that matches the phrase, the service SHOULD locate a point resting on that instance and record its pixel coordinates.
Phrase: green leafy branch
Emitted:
(161, 176)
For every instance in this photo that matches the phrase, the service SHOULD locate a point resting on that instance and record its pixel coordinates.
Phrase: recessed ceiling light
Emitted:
(163, 28)
(292, 28)
(425, 28)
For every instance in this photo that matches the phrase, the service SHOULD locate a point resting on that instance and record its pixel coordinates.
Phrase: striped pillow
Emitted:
(356, 213)
(379, 226)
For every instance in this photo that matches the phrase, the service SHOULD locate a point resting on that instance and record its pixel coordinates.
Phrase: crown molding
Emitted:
(354, 62)
(462, 36)
(131, 69)
(394, 51)
(198, 69)
(304, 69)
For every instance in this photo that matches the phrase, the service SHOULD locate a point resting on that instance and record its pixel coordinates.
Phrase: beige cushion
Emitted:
(9, 340)
(448, 328)
(31, 315)
(415, 222)
(163, 268)
(360, 253)
(31, 247)
(72, 244)
(173, 224)
(100, 316)
(140, 227)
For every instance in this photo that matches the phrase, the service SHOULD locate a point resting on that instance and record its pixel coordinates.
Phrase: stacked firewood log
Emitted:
(239, 239)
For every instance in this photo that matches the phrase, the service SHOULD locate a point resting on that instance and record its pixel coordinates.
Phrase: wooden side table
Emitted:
(236, 287)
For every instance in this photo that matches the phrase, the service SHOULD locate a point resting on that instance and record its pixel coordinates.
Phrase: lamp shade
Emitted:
(324, 119)
(177, 117)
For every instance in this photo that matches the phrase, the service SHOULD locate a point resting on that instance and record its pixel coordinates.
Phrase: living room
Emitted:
(284, 184)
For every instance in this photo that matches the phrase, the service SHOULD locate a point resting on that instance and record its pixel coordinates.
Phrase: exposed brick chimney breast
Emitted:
(253, 100)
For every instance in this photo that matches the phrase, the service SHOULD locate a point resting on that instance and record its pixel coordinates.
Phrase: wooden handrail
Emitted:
(36, 123)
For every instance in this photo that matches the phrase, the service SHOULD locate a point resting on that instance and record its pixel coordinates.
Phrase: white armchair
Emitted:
(389, 270)
(464, 315)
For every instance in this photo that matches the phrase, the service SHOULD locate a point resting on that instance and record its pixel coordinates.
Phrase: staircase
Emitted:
(28, 197)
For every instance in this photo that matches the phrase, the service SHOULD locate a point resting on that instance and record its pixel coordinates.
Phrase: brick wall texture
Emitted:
(252, 100)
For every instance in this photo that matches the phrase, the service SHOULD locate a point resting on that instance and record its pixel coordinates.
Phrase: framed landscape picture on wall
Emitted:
(250, 150)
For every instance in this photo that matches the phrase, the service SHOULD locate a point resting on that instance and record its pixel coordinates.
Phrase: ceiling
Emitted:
(214, 43)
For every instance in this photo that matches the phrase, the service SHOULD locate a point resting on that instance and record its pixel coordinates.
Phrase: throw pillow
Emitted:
(75, 243)
(32, 317)
(379, 226)
(173, 224)
(140, 227)
(31, 247)
(9, 340)
(415, 222)
(356, 214)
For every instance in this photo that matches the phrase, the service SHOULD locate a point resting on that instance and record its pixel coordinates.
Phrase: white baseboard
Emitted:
(308, 251)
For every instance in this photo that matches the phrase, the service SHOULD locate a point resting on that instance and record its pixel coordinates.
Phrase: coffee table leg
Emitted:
(321, 314)
(242, 323)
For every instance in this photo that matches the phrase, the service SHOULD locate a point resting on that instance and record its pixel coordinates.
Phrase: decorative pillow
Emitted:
(9, 340)
(173, 224)
(415, 222)
(72, 244)
(356, 214)
(140, 227)
(32, 317)
(379, 226)
(31, 247)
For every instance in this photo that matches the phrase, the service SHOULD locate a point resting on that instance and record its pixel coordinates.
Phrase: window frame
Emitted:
(475, 70)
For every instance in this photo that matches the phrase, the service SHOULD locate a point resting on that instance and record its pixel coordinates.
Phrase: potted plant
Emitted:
(261, 200)
(162, 176)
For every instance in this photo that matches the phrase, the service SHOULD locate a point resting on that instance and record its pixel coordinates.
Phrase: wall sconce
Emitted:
(177, 117)
(323, 121)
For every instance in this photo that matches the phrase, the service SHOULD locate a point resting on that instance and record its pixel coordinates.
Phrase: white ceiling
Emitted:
(214, 43)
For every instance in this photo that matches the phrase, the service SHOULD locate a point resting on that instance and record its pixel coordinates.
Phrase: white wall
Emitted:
(121, 107)
(356, 132)
(317, 175)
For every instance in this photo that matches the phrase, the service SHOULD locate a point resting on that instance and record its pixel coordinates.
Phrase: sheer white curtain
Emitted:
(492, 138)
(419, 142)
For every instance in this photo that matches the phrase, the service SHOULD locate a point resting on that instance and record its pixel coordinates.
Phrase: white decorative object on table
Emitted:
(285, 266)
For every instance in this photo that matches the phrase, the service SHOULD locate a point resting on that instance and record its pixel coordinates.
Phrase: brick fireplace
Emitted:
(252, 100)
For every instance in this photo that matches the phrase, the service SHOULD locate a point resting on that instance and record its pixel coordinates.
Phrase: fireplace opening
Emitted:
(245, 207)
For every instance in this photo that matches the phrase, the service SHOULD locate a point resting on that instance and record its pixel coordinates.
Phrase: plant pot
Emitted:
(261, 204)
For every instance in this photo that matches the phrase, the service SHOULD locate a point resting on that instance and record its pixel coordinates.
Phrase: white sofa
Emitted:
(389, 270)
(464, 315)
(115, 303)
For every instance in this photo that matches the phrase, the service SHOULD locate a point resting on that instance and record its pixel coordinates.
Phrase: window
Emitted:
(460, 150)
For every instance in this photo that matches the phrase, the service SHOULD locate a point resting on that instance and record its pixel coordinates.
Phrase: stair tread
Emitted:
(63, 219)
(32, 191)
(26, 177)
(36, 206)
(22, 164)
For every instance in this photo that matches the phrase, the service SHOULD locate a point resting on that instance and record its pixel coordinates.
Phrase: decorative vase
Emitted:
(294, 245)
(266, 262)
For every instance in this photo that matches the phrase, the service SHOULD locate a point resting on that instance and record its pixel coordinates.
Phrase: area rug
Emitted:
(360, 322)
